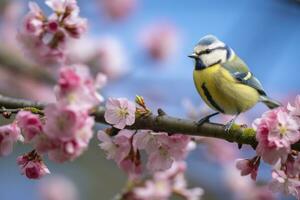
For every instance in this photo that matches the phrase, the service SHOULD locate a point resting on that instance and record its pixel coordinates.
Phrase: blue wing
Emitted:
(241, 73)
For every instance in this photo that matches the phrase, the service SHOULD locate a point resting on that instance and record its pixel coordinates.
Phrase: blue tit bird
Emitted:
(224, 81)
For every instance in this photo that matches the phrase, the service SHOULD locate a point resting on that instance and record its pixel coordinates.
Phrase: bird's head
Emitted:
(210, 51)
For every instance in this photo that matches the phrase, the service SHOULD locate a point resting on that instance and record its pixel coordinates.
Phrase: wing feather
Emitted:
(241, 73)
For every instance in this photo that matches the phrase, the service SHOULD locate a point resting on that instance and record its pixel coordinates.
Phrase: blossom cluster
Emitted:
(164, 184)
(65, 129)
(125, 147)
(276, 131)
(44, 37)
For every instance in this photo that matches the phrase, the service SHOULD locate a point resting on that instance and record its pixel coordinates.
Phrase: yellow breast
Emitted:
(222, 92)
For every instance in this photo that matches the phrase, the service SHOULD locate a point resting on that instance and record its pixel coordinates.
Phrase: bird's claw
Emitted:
(228, 126)
(202, 121)
(206, 119)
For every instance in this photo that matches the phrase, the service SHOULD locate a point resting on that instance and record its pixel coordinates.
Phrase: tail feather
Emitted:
(270, 102)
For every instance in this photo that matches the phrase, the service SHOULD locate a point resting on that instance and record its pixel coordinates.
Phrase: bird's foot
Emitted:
(228, 126)
(203, 120)
(206, 118)
(230, 123)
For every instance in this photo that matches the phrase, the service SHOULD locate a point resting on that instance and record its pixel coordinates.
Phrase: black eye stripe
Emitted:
(207, 51)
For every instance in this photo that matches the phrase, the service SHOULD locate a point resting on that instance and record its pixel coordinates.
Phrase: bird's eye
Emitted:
(207, 51)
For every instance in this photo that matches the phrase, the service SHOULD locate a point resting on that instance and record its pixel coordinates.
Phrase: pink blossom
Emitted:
(36, 50)
(160, 41)
(68, 79)
(44, 38)
(77, 87)
(118, 9)
(32, 166)
(57, 188)
(66, 150)
(33, 21)
(169, 149)
(247, 166)
(67, 133)
(132, 165)
(285, 131)
(282, 183)
(43, 144)
(157, 189)
(162, 149)
(9, 134)
(30, 124)
(120, 148)
(62, 122)
(75, 26)
(276, 131)
(295, 110)
(165, 183)
(110, 147)
(120, 112)
(63, 6)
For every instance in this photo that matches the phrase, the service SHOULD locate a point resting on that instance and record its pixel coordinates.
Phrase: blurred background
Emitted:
(142, 46)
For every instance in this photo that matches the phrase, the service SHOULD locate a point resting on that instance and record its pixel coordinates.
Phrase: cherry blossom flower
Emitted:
(157, 189)
(165, 183)
(120, 112)
(160, 41)
(33, 21)
(282, 183)
(118, 9)
(57, 188)
(77, 87)
(118, 147)
(68, 126)
(9, 134)
(62, 121)
(32, 166)
(30, 124)
(295, 110)
(121, 149)
(162, 149)
(44, 38)
(169, 149)
(63, 6)
(63, 150)
(276, 131)
(247, 166)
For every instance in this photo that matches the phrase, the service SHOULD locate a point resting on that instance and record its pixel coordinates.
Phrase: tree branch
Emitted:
(162, 123)
(15, 63)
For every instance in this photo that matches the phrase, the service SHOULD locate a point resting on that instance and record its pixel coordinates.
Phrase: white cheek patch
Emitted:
(214, 57)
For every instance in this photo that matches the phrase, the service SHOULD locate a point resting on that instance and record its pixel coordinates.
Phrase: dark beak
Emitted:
(193, 55)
